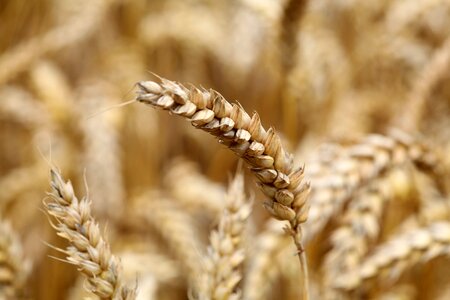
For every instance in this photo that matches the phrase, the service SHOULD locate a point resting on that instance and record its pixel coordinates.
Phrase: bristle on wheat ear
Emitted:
(88, 249)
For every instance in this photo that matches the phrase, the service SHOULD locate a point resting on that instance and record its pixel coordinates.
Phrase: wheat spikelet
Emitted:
(391, 259)
(13, 269)
(340, 171)
(226, 252)
(88, 250)
(244, 135)
(177, 229)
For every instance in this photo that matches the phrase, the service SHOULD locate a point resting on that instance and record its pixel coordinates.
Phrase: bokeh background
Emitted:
(317, 71)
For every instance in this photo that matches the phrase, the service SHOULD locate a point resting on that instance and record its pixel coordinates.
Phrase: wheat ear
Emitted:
(13, 269)
(341, 171)
(391, 259)
(88, 249)
(244, 135)
(226, 252)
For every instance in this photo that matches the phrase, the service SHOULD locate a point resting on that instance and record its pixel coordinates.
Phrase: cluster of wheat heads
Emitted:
(342, 122)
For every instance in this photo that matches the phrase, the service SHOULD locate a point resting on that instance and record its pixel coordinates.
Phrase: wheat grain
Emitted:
(88, 250)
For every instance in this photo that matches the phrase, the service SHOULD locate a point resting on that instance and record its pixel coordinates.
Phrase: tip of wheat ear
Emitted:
(244, 135)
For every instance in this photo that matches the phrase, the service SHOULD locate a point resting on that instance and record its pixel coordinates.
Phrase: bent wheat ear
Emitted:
(88, 249)
(244, 135)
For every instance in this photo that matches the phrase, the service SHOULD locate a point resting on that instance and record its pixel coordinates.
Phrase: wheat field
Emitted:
(225, 150)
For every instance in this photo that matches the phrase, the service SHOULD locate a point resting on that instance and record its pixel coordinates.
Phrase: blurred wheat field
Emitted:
(340, 111)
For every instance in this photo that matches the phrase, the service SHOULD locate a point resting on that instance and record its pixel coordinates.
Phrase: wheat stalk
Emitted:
(88, 249)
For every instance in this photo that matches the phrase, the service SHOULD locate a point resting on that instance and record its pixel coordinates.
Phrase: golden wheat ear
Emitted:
(244, 135)
(88, 249)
